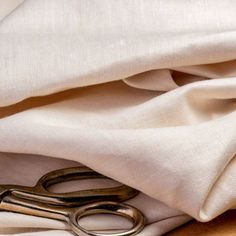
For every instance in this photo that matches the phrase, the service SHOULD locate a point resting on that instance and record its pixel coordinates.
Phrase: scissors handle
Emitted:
(107, 207)
(76, 198)
(72, 215)
(72, 206)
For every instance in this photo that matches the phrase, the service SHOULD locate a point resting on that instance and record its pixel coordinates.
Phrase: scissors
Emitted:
(70, 207)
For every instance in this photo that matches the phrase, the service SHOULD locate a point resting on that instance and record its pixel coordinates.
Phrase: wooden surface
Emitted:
(224, 225)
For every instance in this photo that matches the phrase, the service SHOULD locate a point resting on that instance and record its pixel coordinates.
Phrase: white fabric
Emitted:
(149, 99)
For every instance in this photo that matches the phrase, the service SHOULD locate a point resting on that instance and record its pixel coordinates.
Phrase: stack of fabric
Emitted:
(143, 92)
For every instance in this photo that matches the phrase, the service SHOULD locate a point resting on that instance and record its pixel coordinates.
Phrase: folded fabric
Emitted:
(143, 92)
(27, 169)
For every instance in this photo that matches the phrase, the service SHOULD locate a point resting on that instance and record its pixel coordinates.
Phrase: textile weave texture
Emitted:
(141, 91)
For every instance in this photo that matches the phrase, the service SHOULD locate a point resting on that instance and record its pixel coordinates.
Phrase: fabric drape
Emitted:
(143, 92)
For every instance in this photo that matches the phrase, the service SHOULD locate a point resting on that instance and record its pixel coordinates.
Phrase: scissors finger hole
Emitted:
(80, 197)
(99, 222)
(84, 184)
(112, 208)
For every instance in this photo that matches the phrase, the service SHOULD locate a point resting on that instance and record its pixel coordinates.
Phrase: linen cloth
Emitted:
(143, 92)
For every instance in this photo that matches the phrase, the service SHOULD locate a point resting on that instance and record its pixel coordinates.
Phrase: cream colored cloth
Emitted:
(147, 97)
